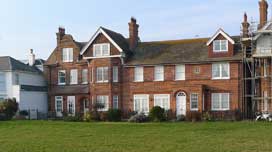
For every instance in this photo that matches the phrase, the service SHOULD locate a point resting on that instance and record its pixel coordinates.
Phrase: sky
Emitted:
(32, 24)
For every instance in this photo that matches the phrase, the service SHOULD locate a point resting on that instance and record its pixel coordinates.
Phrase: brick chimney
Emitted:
(263, 13)
(60, 34)
(245, 26)
(133, 34)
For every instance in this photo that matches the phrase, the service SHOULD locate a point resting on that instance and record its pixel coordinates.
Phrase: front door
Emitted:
(59, 106)
(71, 107)
(181, 104)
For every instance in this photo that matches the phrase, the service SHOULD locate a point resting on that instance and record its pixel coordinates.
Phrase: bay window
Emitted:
(2, 82)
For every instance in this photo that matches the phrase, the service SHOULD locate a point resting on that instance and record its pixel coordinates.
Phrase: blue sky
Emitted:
(29, 24)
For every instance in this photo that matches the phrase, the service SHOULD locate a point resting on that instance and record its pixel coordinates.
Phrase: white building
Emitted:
(23, 82)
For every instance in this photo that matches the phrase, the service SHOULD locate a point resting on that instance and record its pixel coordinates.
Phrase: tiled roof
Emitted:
(10, 64)
(177, 51)
(118, 38)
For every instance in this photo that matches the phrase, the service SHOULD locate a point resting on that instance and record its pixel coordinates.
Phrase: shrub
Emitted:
(8, 109)
(95, 116)
(139, 118)
(114, 115)
(181, 118)
(70, 118)
(103, 116)
(87, 117)
(157, 114)
(207, 116)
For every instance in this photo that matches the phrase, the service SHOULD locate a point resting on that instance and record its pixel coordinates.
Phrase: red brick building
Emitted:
(184, 76)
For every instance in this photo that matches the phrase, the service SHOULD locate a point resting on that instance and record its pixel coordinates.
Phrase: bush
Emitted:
(181, 118)
(87, 117)
(114, 115)
(8, 109)
(157, 114)
(207, 116)
(70, 118)
(139, 118)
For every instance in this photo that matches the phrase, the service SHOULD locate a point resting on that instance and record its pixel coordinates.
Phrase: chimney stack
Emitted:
(31, 59)
(245, 25)
(133, 34)
(60, 34)
(263, 13)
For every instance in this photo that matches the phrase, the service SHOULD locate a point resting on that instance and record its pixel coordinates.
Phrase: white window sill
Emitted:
(73, 83)
(102, 81)
(221, 78)
(158, 80)
(222, 110)
(61, 84)
(139, 81)
(179, 79)
(194, 109)
(220, 51)
(84, 83)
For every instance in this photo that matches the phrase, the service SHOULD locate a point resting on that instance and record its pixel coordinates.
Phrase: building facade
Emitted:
(25, 83)
(184, 76)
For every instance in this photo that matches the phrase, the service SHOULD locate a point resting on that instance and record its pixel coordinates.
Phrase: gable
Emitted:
(100, 31)
(101, 39)
(266, 29)
(222, 33)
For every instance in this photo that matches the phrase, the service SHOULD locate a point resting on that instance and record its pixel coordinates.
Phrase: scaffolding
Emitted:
(256, 76)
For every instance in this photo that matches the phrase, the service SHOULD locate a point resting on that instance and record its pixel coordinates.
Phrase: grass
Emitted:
(57, 136)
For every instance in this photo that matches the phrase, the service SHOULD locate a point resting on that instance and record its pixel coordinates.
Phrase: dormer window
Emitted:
(101, 50)
(220, 45)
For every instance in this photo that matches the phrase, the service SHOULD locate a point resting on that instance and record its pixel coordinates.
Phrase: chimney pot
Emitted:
(245, 26)
(31, 59)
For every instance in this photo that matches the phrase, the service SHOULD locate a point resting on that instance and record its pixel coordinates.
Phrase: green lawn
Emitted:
(51, 136)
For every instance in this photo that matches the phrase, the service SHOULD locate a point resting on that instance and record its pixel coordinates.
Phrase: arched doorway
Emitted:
(181, 103)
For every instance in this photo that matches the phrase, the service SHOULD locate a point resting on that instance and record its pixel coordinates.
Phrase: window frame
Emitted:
(115, 101)
(220, 102)
(104, 71)
(191, 101)
(84, 73)
(220, 71)
(103, 97)
(61, 83)
(141, 97)
(115, 74)
(220, 45)
(69, 56)
(75, 77)
(59, 98)
(101, 53)
(161, 97)
(183, 76)
(159, 70)
(139, 75)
